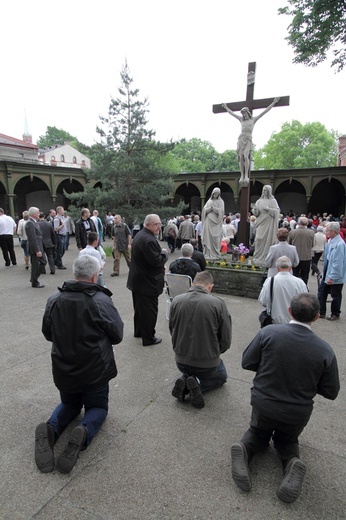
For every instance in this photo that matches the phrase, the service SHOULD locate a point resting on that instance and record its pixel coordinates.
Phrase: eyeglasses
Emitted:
(156, 224)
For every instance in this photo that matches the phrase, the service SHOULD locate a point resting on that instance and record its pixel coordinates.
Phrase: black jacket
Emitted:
(146, 275)
(81, 233)
(83, 324)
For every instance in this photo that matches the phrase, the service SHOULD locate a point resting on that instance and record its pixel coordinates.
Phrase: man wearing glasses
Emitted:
(146, 279)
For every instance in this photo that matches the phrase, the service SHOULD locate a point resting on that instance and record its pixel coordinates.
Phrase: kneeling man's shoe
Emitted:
(69, 456)
(240, 467)
(195, 393)
(155, 341)
(179, 391)
(44, 444)
(291, 485)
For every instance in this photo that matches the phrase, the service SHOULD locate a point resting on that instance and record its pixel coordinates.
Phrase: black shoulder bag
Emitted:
(265, 317)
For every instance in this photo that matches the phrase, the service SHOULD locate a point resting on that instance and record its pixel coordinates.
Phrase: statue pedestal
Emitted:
(245, 281)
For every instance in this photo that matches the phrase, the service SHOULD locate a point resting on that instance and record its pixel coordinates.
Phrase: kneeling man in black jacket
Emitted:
(83, 324)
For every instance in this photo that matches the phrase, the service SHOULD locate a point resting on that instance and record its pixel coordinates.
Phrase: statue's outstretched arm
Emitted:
(231, 112)
(276, 100)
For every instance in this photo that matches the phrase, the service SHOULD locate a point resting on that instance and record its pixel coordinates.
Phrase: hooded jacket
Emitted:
(83, 324)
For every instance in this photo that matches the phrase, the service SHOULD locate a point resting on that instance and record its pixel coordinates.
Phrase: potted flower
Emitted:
(240, 252)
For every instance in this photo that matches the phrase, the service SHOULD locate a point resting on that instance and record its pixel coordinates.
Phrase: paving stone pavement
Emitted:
(154, 458)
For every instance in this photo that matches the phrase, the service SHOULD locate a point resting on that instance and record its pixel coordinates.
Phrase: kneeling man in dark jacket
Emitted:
(83, 324)
(201, 330)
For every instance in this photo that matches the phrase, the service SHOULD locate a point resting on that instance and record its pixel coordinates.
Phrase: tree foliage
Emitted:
(57, 136)
(135, 170)
(298, 146)
(316, 27)
(199, 156)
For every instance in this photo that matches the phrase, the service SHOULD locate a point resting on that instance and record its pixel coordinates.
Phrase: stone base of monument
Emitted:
(237, 279)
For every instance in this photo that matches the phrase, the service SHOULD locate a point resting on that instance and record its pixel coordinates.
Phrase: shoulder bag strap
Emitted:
(271, 296)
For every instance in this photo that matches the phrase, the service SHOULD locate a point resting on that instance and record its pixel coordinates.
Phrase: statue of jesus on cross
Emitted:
(244, 146)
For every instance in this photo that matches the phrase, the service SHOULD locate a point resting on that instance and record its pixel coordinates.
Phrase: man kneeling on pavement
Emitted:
(292, 365)
(83, 325)
(201, 330)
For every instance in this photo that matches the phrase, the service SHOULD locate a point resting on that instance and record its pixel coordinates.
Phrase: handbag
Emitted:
(265, 317)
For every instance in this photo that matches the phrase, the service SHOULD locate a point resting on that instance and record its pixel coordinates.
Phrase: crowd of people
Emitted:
(199, 322)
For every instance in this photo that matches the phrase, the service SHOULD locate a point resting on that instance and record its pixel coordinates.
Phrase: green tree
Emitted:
(134, 169)
(227, 161)
(195, 155)
(316, 27)
(55, 136)
(298, 146)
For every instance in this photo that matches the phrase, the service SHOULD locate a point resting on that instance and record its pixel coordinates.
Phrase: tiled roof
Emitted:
(12, 141)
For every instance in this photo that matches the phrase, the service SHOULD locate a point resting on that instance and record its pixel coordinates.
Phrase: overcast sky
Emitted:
(61, 62)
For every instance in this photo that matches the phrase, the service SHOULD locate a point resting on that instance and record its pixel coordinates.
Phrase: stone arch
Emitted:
(328, 196)
(69, 186)
(3, 204)
(190, 195)
(29, 191)
(291, 196)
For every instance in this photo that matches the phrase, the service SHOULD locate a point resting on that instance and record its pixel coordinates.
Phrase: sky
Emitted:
(61, 62)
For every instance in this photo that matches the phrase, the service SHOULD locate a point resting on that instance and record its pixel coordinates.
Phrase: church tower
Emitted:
(27, 137)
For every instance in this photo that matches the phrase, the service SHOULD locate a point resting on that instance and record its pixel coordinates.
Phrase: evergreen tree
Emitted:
(135, 170)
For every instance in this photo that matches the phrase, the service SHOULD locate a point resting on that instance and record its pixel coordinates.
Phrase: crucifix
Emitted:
(244, 147)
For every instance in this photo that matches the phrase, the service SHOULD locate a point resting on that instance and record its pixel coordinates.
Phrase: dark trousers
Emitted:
(335, 292)
(95, 403)
(145, 316)
(285, 436)
(35, 269)
(60, 249)
(302, 270)
(210, 378)
(50, 252)
(7, 247)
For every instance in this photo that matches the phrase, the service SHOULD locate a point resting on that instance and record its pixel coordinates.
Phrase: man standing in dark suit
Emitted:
(292, 365)
(146, 278)
(33, 232)
(48, 240)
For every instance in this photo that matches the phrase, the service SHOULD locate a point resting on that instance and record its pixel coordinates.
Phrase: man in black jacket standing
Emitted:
(34, 234)
(83, 324)
(146, 278)
(83, 227)
(292, 365)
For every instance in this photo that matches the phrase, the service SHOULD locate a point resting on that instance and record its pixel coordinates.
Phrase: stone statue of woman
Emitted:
(212, 219)
(244, 146)
(267, 213)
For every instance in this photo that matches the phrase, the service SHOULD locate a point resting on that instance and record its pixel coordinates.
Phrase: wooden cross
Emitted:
(251, 104)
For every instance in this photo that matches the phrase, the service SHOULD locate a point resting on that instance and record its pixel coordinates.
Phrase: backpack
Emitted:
(171, 232)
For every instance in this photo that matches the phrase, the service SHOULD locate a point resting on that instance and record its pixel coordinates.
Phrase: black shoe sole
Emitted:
(44, 454)
(240, 469)
(179, 391)
(68, 458)
(196, 396)
(291, 486)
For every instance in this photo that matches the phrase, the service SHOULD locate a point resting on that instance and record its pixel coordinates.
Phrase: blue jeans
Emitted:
(96, 409)
(210, 378)
(60, 249)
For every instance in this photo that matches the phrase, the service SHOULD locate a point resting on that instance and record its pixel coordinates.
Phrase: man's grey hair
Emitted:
(283, 262)
(85, 266)
(303, 221)
(149, 218)
(320, 229)
(33, 210)
(333, 226)
(187, 250)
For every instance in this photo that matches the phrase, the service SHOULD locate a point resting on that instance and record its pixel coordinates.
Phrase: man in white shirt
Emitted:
(285, 286)
(7, 229)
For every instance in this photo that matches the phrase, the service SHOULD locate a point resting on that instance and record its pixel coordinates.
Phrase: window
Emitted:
(74, 159)
(62, 158)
